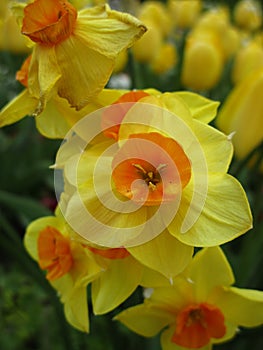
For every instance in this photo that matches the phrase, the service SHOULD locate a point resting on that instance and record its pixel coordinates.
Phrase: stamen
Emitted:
(152, 186)
(151, 178)
(139, 167)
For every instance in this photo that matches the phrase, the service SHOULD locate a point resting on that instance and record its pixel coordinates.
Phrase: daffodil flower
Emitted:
(70, 267)
(71, 264)
(200, 309)
(74, 52)
(159, 170)
(56, 120)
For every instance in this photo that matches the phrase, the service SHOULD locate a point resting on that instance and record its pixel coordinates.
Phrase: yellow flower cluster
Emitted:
(144, 175)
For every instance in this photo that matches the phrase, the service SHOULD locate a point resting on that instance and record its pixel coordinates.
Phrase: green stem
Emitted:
(135, 73)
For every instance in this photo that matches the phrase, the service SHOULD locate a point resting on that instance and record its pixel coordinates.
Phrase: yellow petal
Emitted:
(22, 105)
(174, 297)
(76, 309)
(217, 148)
(145, 320)
(89, 55)
(166, 114)
(209, 269)
(224, 216)
(164, 254)
(152, 279)
(107, 31)
(52, 122)
(115, 285)
(201, 107)
(112, 221)
(80, 67)
(44, 73)
(107, 227)
(243, 307)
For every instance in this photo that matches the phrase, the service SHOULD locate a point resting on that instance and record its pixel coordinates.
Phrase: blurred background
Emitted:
(214, 48)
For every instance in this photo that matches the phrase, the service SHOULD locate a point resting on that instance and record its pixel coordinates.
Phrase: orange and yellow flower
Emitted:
(70, 267)
(200, 309)
(71, 264)
(71, 47)
(159, 169)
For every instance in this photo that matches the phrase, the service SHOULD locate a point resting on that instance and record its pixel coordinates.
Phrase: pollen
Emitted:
(151, 178)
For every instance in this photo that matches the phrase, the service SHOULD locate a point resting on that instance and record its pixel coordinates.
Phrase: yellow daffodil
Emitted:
(158, 170)
(114, 274)
(200, 309)
(73, 47)
(70, 267)
(241, 113)
(58, 117)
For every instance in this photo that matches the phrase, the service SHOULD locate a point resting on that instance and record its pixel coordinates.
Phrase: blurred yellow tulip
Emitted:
(157, 13)
(184, 12)
(202, 63)
(149, 45)
(166, 58)
(242, 113)
(11, 38)
(217, 21)
(121, 61)
(248, 59)
(248, 14)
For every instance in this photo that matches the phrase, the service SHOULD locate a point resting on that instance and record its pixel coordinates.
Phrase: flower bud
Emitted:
(149, 45)
(166, 59)
(242, 113)
(248, 59)
(202, 63)
(248, 14)
(184, 12)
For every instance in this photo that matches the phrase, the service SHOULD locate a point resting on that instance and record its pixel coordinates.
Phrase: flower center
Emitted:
(150, 169)
(196, 324)
(151, 178)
